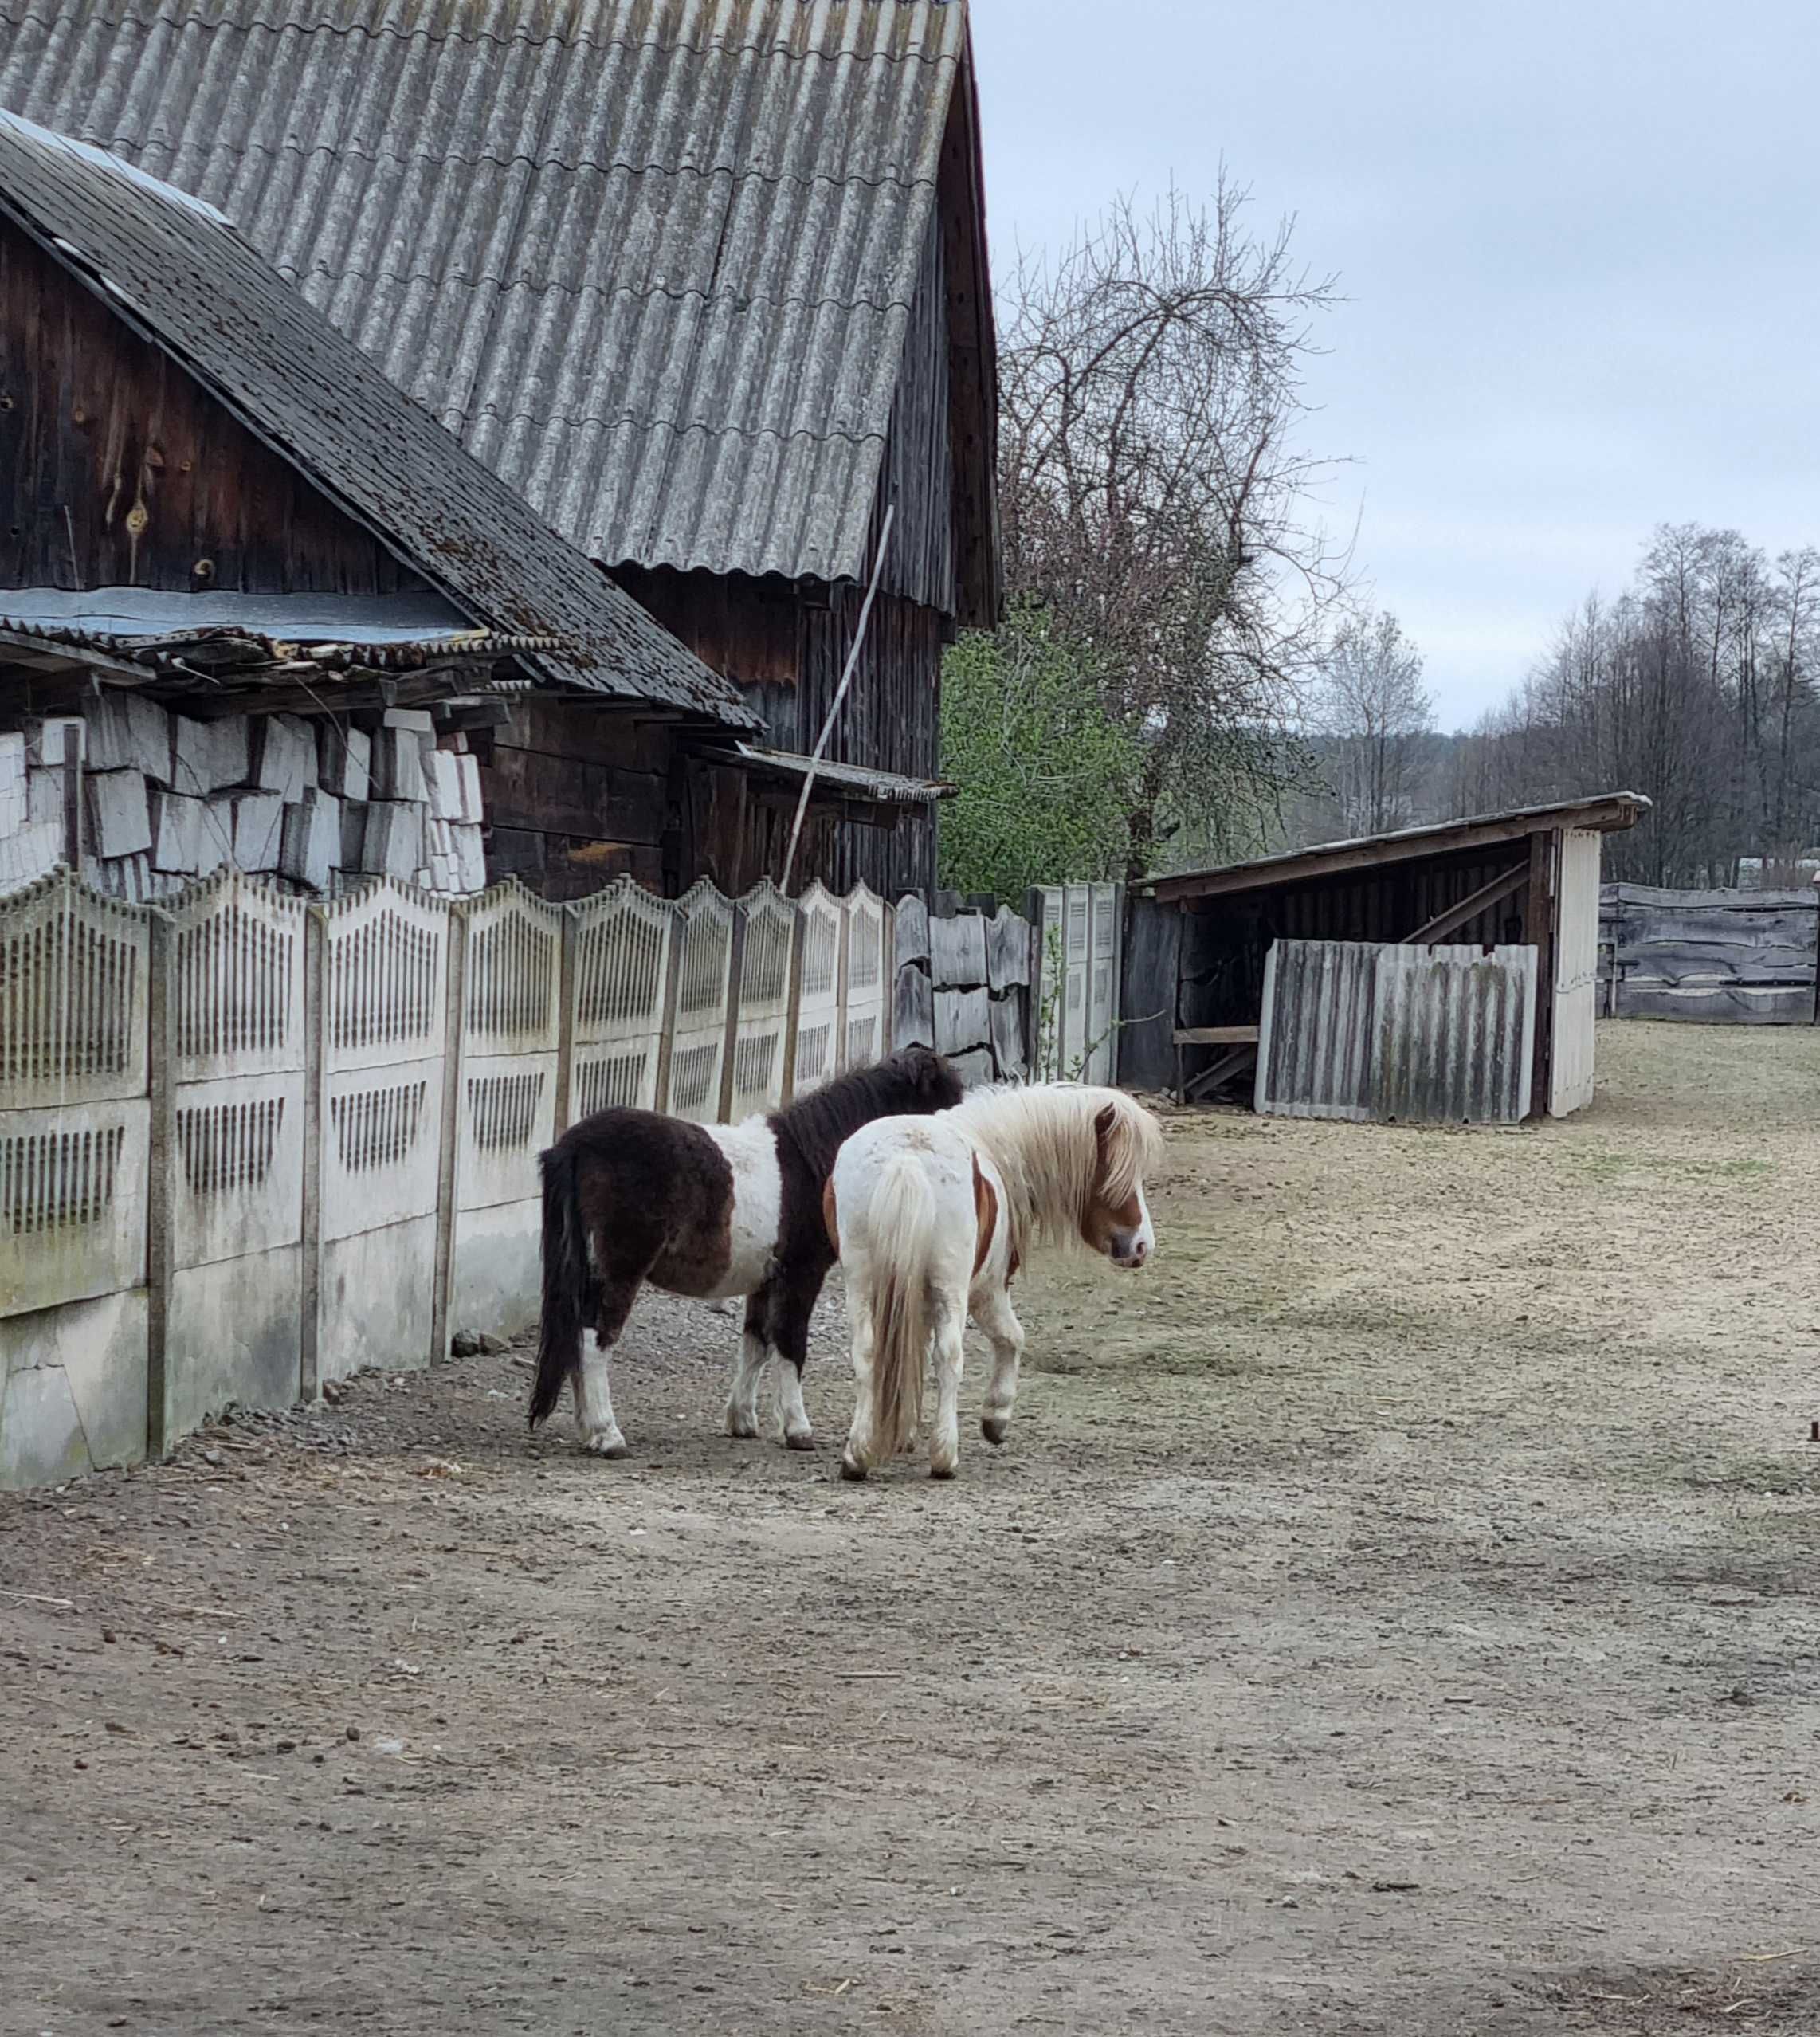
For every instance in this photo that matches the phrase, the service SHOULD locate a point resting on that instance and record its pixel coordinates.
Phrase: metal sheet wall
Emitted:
(1412, 1035)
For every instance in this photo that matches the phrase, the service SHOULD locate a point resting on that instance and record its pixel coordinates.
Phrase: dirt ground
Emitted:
(1394, 1611)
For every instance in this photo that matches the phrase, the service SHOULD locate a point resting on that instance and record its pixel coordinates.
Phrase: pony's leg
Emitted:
(593, 1394)
(857, 1458)
(994, 1317)
(749, 1367)
(944, 1436)
(794, 1306)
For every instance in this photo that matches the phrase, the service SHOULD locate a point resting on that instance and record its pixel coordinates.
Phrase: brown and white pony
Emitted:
(709, 1210)
(932, 1217)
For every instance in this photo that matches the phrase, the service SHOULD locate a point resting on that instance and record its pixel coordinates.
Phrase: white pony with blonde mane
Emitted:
(932, 1216)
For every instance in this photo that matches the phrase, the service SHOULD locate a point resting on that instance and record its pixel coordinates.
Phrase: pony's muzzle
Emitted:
(1129, 1249)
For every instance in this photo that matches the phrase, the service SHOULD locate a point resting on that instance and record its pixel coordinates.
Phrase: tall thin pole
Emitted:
(840, 695)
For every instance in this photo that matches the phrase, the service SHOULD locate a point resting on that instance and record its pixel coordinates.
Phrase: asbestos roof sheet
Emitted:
(652, 260)
(179, 273)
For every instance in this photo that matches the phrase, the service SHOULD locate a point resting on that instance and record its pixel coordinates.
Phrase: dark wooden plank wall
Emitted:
(1224, 942)
(918, 475)
(118, 469)
(577, 794)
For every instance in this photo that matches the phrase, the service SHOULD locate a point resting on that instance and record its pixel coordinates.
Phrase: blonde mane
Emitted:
(1042, 1137)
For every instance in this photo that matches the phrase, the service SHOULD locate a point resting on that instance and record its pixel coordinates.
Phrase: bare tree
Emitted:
(1373, 708)
(1154, 496)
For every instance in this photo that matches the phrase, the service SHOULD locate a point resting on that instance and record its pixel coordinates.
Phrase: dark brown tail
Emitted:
(568, 1282)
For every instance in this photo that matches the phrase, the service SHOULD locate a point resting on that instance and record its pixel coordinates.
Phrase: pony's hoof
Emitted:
(943, 1470)
(804, 1439)
(995, 1428)
(742, 1427)
(611, 1444)
(855, 1473)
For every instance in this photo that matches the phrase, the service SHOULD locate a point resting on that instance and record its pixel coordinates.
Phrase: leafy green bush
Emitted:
(1047, 779)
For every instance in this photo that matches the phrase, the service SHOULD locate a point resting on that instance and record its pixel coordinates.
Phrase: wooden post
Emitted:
(793, 999)
(316, 981)
(75, 744)
(667, 1028)
(448, 1159)
(730, 1039)
(161, 1185)
(1538, 906)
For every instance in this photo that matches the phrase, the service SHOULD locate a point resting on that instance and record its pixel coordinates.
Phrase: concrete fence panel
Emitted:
(623, 944)
(866, 1013)
(75, 1165)
(819, 992)
(385, 1036)
(768, 949)
(511, 1042)
(228, 1295)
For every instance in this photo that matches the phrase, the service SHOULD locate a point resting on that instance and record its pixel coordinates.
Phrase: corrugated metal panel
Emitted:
(1576, 974)
(1412, 1035)
(653, 261)
(1455, 1036)
(1317, 1029)
(189, 280)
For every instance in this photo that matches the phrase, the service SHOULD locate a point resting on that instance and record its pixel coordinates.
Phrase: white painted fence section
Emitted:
(818, 993)
(511, 990)
(380, 1131)
(249, 1145)
(1080, 938)
(75, 1163)
(232, 1313)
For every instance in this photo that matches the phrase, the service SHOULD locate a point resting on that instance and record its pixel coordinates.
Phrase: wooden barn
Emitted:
(214, 503)
(1442, 973)
(704, 281)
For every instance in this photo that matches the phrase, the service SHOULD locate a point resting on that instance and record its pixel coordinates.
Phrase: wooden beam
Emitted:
(1229, 1064)
(1506, 885)
(1541, 902)
(1218, 1035)
(1605, 815)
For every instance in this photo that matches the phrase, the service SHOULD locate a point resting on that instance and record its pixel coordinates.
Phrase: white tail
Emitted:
(900, 1232)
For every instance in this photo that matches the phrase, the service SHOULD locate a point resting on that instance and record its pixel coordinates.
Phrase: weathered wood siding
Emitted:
(918, 478)
(785, 648)
(118, 469)
(576, 794)
(1739, 957)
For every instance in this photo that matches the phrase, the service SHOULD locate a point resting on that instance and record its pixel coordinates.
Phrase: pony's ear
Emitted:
(1104, 1124)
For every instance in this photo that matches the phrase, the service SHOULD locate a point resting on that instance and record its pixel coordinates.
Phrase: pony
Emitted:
(632, 1196)
(932, 1218)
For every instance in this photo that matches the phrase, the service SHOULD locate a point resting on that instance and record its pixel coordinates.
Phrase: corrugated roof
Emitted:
(651, 259)
(183, 276)
(1606, 811)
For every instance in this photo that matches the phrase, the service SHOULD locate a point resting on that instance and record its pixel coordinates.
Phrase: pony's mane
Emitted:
(907, 1084)
(1042, 1137)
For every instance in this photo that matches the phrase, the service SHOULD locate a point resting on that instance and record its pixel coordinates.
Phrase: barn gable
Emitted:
(661, 268)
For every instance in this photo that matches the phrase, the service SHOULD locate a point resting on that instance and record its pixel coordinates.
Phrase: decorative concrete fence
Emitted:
(248, 1145)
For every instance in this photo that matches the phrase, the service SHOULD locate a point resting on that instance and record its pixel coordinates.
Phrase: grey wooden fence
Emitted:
(1738, 958)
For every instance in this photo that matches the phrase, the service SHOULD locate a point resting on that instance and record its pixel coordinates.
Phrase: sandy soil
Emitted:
(1394, 1611)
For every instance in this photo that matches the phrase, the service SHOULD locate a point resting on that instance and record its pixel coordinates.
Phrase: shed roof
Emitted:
(652, 260)
(177, 272)
(1606, 812)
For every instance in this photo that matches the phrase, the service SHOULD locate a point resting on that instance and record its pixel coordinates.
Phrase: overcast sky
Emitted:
(1580, 243)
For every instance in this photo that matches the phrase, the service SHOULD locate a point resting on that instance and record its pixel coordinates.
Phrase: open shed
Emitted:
(1200, 987)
